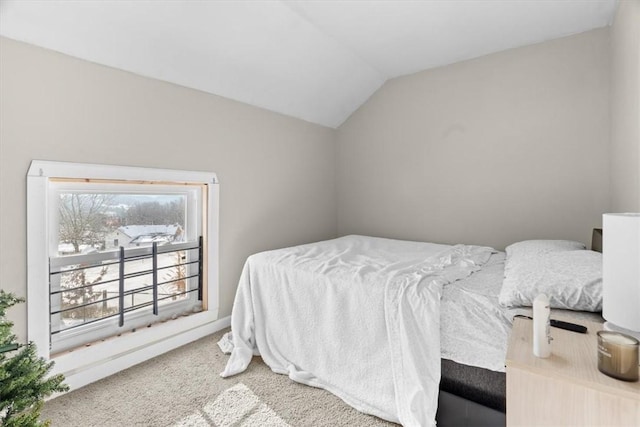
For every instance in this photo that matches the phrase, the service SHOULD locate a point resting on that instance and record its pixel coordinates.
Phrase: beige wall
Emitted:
(276, 173)
(505, 147)
(625, 108)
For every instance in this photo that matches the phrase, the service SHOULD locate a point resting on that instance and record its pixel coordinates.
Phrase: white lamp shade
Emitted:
(621, 270)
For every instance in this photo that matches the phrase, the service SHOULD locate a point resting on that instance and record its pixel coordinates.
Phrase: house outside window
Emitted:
(118, 251)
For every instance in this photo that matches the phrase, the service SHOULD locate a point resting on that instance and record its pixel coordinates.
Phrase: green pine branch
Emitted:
(24, 380)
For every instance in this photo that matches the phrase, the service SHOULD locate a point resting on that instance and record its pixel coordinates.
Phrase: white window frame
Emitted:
(87, 364)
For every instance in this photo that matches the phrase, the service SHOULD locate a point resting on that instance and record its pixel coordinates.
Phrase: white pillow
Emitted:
(528, 248)
(572, 279)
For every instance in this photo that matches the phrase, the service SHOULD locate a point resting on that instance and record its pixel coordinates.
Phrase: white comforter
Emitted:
(357, 316)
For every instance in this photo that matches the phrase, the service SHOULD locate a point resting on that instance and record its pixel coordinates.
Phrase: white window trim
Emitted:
(88, 364)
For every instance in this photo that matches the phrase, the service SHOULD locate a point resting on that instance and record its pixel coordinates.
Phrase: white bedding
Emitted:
(474, 327)
(357, 316)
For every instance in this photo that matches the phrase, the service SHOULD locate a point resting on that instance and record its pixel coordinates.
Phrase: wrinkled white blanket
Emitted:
(357, 316)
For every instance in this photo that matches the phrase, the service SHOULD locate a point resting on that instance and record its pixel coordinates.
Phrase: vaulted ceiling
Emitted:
(315, 60)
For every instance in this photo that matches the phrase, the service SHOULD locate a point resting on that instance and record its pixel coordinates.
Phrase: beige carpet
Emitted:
(182, 388)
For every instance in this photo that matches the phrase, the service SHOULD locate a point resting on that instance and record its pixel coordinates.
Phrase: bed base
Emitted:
(456, 411)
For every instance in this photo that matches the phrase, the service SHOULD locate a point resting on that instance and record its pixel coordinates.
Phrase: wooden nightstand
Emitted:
(566, 388)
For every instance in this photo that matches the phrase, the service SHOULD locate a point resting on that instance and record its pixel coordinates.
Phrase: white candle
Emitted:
(541, 337)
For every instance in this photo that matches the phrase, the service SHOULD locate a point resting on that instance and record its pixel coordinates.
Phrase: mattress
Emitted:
(475, 331)
(474, 328)
(483, 386)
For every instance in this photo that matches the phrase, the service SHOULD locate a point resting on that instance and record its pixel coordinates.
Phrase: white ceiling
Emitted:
(314, 60)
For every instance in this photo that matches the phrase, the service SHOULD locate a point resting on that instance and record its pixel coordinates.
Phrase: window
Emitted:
(151, 273)
(119, 252)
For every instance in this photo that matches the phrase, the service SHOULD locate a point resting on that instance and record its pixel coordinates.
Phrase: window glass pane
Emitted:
(89, 222)
(88, 289)
(172, 277)
(95, 221)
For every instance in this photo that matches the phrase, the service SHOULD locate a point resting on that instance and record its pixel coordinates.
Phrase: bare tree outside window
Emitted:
(153, 213)
(82, 219)
(79, 291)
(83, 224)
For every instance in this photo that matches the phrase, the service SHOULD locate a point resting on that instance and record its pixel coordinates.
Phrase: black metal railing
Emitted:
(102, 301)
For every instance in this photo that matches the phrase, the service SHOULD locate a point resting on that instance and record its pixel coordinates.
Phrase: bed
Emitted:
(407, 331)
